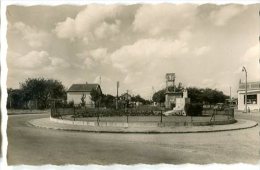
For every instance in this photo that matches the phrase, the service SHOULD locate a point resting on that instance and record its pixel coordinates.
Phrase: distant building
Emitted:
(231, 102)
(253, 96)
(176, 100)
(125, 96)
(170, 98)
(76, 91)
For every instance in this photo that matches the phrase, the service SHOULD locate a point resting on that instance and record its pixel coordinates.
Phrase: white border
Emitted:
(84, 2)
(5, 3)
(3, 86)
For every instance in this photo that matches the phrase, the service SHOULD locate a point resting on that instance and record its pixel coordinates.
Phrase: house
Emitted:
(253, 96)
(77, 91)
(125, 99)
(125, 96)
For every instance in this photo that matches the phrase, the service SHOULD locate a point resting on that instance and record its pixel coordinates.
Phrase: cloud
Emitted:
(95, 58)
(95, 21)
(66, 29)
(31, 60)
(160, 18)
(100, 55)
(107, 29)
(34, 37)
(221, 16)
(201, 50)
(36, 60)
(59, 62)
(144, 52)
(136, 45)
(251, 61)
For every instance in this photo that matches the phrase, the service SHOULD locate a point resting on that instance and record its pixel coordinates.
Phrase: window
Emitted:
(251, 99)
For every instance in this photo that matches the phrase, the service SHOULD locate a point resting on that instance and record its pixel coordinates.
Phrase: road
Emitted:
(35, 146)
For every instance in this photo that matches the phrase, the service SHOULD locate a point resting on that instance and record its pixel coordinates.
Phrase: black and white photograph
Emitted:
(141, 83)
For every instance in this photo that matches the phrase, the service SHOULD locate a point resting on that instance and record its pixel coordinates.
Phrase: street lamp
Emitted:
(244, 69)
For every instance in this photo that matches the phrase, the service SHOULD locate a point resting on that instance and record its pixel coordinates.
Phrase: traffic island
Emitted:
(68, 125)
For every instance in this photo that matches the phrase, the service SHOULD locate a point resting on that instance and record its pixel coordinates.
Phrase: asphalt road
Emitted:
(35, 146)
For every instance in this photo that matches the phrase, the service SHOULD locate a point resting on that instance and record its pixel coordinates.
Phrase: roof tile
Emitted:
(82, 87)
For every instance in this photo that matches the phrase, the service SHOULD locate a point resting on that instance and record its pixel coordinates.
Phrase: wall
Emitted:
(76, 97)
(171, 98)
(252, 107)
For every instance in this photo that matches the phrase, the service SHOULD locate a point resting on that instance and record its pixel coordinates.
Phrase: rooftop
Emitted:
(82, 87)
(250, 86)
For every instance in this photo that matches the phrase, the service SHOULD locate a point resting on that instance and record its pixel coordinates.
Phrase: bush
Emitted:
(194, 109)
(173, 105)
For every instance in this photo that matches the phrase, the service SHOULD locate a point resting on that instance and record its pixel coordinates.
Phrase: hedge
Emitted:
(194, 109)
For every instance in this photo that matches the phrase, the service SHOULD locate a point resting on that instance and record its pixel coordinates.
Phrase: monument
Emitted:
(175, 100)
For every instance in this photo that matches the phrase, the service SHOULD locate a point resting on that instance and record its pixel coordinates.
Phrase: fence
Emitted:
(149, 114)
(92, 112)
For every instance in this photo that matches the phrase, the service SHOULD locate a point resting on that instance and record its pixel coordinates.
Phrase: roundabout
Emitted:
(147, 121)
(28, 134)
(106, 125)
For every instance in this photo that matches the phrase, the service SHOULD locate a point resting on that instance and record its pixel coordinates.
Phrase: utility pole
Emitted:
(126, 101)
(152, 93)
(117, 86)
(230, 93)
(244, 70)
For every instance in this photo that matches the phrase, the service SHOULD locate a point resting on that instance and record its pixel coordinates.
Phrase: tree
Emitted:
(108, 100)
(206, 96)
(159, 96)
(15, 99)
(195, 94)
(83, 102)
(96, 97)
(41, 90)
(137, 98)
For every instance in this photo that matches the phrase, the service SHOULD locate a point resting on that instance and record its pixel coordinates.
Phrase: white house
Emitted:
(76, 91)
(253, 96)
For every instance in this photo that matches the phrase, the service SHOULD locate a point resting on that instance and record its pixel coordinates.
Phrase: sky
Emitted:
(204, 45)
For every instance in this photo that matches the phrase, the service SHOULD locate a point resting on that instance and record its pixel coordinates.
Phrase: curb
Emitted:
(142, 132)
(140, 124)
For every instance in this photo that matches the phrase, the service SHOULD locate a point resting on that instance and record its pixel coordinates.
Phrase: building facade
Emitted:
(253, 96)
(77, 91)
(170, 99)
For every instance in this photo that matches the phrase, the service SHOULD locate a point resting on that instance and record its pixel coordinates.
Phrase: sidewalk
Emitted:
(26, 111)
(47, 123)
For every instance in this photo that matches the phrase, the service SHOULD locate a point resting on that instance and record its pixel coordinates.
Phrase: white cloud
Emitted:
(66, 29)
(32, 60)
(59, 62)
(251, 53)
(34, 37)
(101, 55)
(107, 29)
(223, 15)
(251, 61)
(96, 57)
(89, 63)
(94, 21)
(156, 19)
(144, 52)
(201, 50)
(137, 45)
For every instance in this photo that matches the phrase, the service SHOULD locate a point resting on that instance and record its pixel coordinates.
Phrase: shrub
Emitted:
(173, 105)
(194, 109)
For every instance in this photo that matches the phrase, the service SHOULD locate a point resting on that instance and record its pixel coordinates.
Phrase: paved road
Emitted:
(249, 116)
(30, 145)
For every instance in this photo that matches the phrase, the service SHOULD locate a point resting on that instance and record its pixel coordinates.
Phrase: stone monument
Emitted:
(173, 99)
